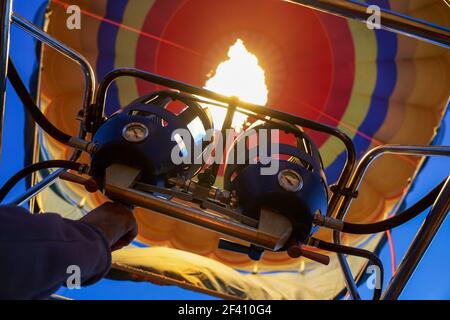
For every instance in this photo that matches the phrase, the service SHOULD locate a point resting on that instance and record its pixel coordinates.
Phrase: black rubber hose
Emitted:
(401, 218)
(65, 164)
(31, 107)
(373, 258)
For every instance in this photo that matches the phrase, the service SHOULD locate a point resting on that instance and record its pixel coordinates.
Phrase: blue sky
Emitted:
(430, 281)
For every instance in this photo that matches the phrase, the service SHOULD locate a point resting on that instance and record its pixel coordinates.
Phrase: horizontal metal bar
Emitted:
(191, 215)
(420, 244)
(389, 20)
(37, 188)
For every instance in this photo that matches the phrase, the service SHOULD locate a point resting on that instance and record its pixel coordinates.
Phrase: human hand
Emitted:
(115, 221)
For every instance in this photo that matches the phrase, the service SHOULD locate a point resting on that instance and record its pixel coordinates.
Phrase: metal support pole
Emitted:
(241, 107)
(350, 283)
(37, 188)
(5, 27)
(89, 89)
(357, 177)
(420, 244)
(88, 72)
(390, 20)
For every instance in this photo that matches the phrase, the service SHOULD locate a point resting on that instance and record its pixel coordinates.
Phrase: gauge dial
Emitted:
(135, 132)
(290, 180)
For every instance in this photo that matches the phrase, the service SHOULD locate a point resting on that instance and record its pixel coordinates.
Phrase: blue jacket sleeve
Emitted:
(38, 252)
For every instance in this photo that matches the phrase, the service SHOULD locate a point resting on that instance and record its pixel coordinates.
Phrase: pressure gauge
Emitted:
(290, 180)
(135, 132)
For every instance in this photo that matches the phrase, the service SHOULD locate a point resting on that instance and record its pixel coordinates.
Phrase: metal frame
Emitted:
(35, 156)
(88, 72)
(5, 27)
(350, 178)
(89, 88)
(420, 244)
(98, 115)
(390, 20)
(355, 182)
